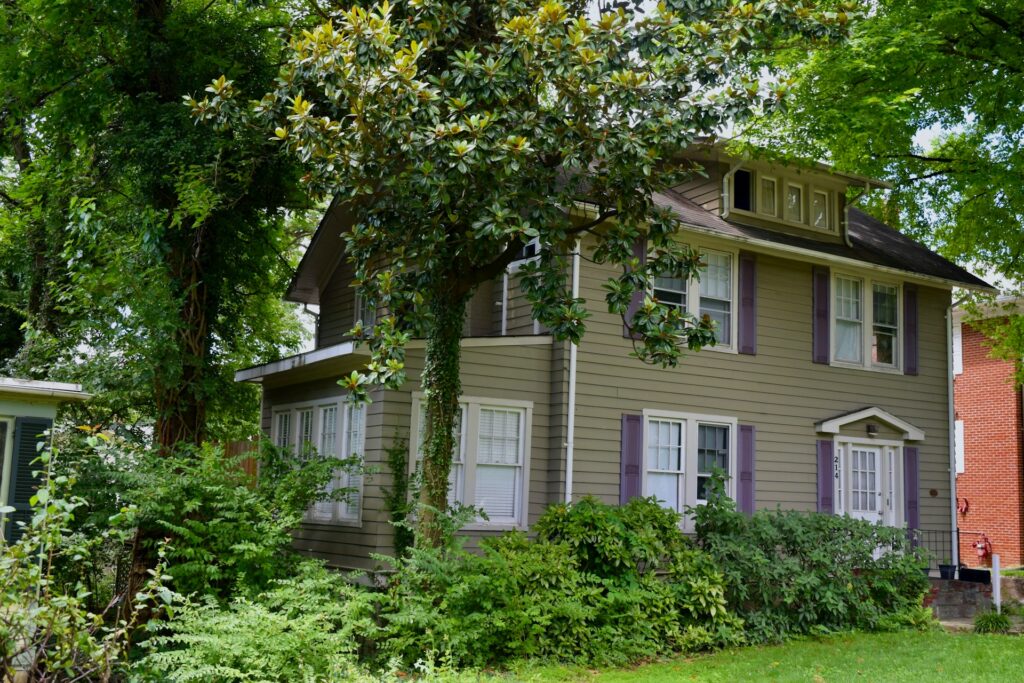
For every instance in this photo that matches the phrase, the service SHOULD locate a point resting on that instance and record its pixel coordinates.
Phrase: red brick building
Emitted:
(989, 455)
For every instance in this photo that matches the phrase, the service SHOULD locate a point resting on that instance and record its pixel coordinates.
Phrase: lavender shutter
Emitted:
(745, 486)
(911, 495)
(747, 332)
(910, 330)
(632, 457)
(640, 252)
(826, 474)
(820, 321)
(28, 431)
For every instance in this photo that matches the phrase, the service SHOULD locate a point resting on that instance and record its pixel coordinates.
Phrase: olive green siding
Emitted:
(779, 391)
(512, 372)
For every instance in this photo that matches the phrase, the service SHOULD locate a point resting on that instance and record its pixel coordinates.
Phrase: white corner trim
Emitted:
(255, 374)
(832, 426)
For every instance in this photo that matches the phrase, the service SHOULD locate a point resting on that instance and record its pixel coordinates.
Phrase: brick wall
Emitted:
(989, 403)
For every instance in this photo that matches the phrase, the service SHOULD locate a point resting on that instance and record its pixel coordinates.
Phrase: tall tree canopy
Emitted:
(458, 131)
(146, 255)
(930, 96)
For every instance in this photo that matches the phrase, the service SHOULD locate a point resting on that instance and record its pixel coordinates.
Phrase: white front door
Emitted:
(866, 483)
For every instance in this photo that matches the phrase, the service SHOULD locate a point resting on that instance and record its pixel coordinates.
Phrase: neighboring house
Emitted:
(828, 389)
(27, 410)
(990, 456)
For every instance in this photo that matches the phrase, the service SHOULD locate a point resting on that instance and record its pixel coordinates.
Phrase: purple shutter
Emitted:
(911, 496)
(745, 487)
(640, 252)
(630, 482)
(910, 330)
(820, 322)
(826, 474)
(747, 333)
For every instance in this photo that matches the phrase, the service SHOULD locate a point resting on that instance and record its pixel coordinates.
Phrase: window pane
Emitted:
(848, 341)
(499, 437)
(496, 490)
(742, 189)
(819, 210)
(665, 487)
(305, 430)
(794, 203)
(664, 445)
(719, 311)
(883, 346)
(716, 275)
(354, 442)
(885, 305)
(768, 196)
(456, 477)
(284, 428)
(712, 454)
(670, 291)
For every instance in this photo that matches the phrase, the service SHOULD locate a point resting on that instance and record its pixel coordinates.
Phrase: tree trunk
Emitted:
(441, 389)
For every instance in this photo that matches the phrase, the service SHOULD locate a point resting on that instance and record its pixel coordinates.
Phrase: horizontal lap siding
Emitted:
(779, 391)
(337, 307)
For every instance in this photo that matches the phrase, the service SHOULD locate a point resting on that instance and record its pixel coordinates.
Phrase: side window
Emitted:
(683, 453)
(849, 320)
(885, 324)
(743, 190)
(716, 292)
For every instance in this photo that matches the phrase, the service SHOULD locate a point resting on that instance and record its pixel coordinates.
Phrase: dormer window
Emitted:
(819, 210)
(767, 197)
(794, 203)
(784, 198)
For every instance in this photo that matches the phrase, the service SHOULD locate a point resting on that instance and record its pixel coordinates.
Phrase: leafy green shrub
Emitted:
(636, 588)
(306, 628)
(791, 573)
(991, 622)
(227, 532)
(47, 628)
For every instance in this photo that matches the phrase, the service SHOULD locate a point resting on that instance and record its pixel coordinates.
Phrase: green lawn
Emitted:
(910, 656)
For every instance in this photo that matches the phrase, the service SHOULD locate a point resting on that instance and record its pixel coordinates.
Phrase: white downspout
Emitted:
(955, 539)
(570, 425)
(726, 195)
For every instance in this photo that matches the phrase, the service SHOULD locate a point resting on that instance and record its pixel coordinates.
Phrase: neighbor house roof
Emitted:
(870, 241)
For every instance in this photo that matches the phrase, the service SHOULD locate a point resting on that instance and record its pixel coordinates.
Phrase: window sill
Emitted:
(719, 348)
(350, 524)
(494, 526)
(868, 368)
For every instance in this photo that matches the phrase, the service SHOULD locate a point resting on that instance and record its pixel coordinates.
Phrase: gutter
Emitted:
(955, 539)
(570, 426)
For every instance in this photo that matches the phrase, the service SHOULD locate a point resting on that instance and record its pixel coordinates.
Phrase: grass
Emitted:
(890, 657)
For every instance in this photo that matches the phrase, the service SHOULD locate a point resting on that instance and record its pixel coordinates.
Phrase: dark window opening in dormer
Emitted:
(743, 190)
(529, 250)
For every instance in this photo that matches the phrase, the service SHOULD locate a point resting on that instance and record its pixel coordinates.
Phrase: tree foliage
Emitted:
(456, 132)
(929, 96)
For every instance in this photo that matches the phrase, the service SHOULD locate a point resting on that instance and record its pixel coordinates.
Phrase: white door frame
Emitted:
(890, 468)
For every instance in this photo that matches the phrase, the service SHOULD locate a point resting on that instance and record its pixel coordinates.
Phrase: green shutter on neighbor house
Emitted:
(28, 432)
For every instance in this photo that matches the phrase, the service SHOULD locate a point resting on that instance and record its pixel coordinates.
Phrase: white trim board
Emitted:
(833, 425)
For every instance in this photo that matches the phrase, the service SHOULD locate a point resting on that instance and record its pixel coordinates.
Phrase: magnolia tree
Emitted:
(457, 131)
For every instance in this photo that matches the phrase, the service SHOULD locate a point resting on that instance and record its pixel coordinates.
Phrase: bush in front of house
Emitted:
(600, 584)
(791, 573)
(305, 628)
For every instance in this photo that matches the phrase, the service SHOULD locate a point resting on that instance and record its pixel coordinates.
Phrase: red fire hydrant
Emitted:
(983, 547)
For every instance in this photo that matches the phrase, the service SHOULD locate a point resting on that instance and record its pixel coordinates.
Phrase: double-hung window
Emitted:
(490, 465)
(867, 331)
(330, 428)
(365, 312)
(682, 452)
(713, 292)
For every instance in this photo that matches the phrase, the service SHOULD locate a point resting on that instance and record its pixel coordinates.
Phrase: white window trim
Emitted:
(693, 296)
(692, 421)
(338, 518)
(867, 323)
(7, 449)
(357, 313)
(472, 406)
(893, 505)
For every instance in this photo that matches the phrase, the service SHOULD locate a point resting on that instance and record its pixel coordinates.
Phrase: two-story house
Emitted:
(828, 389)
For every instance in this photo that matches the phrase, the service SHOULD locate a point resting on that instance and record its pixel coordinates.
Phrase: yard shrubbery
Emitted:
(598, 584)
(791, 573)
